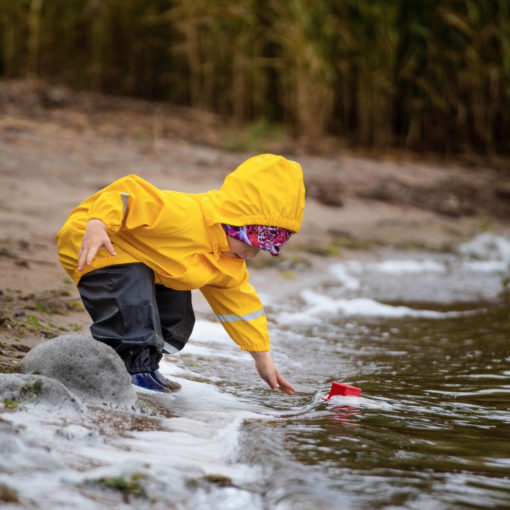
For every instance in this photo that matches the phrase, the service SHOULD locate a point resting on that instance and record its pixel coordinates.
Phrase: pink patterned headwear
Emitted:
(269, 239)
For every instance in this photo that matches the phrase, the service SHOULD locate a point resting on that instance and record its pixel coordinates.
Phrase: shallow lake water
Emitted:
(432, 428)
(426, 338)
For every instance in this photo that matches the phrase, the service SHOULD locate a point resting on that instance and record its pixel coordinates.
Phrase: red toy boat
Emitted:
(343, 389)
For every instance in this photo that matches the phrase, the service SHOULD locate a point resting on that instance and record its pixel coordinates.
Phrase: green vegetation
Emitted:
(131, 487)
(28, 392)
(74, 305)
(10, 368)
(421, 75)
(31, 389)
(36, 325)
(11, 404)
(253, 138)
(41, 307)
(32, 320)
(324, 250)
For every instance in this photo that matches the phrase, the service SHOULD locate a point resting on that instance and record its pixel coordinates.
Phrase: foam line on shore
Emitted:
(320, 305)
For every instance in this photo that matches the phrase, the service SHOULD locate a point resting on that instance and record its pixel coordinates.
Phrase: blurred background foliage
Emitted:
(425, 75)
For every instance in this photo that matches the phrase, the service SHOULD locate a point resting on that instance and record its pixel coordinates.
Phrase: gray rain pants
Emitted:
(139, 319)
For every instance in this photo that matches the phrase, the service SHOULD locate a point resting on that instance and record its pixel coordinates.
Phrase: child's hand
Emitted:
(268, 371)
(95, 236)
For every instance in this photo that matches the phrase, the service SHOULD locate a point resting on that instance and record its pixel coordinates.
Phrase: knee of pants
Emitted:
(176, 315)
(122, 303)
(178, 333)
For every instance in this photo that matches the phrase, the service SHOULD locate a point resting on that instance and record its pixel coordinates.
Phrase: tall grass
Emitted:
(421, 74)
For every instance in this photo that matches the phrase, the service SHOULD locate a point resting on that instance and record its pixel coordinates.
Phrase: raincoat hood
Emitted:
(264, 190)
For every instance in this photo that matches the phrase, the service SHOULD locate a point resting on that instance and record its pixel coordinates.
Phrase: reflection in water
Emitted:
(345, 415)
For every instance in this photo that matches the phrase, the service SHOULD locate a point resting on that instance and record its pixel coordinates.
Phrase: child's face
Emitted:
(240, 250)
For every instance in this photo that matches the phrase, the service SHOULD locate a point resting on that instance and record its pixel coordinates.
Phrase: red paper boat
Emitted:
(343, 389)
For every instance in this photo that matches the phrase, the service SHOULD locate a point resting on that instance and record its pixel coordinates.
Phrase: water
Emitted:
(433, 430)
(428, 341)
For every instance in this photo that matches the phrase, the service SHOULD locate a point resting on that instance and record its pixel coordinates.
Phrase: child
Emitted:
(135, 252)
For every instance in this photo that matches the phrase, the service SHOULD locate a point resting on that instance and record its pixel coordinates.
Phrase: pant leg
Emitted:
(121, 300)
(176, 315)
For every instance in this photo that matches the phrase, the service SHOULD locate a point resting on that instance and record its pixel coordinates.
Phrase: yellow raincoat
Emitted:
(180, 237)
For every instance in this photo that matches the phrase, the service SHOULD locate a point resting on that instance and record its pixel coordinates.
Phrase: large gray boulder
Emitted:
(20, 389)
(91, 369)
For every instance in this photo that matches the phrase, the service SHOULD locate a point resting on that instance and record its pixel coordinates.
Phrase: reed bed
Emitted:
(425, 75)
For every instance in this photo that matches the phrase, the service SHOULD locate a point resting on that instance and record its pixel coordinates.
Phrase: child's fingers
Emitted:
(273, 383)
(109, 246)
(89, 249)
(82, 257)
(288, 389)
(285, 385)
(91, 254)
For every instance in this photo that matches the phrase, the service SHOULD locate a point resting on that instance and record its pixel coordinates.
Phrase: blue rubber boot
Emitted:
(161, 379)
(146, 381)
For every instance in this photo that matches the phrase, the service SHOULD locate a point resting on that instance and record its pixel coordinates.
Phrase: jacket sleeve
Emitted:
(241, 313)
(131, 201)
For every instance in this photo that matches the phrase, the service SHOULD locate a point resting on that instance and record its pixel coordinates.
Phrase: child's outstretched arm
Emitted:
(242, 315)
(268, 371)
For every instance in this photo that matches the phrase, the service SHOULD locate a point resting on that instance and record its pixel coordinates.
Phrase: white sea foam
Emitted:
(313, 298)
(487, 246)
(321, 305)
(407, 266)
(488, 376)
(210, 340)
(212, 332)
(497, 262)
(486, 266)
(492, 391)
(200, 350)
(371, 308)
(341, 274)
(358, 402)
(56, 454)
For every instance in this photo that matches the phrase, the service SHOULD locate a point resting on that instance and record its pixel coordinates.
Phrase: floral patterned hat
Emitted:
(266, 238)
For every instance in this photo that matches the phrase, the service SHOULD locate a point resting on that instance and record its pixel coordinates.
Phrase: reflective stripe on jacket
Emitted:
(180, 237)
